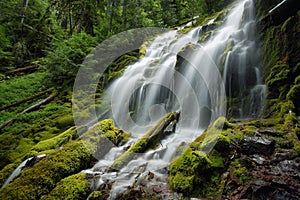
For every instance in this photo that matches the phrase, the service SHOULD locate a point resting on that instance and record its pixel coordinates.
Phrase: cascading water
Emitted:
(168, 79)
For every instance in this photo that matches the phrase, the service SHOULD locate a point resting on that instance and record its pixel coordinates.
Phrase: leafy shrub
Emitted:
(64, 62)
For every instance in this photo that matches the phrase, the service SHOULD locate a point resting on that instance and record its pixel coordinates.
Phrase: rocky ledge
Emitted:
(249, 159)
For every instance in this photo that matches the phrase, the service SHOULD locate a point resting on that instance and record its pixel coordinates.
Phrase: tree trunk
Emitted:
(151, 139)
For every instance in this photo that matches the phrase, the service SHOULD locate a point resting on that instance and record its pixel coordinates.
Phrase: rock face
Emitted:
(252, 164)
(279, 35)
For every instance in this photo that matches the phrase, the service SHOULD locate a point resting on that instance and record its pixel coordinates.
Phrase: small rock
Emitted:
(258, 145)
(258, 159)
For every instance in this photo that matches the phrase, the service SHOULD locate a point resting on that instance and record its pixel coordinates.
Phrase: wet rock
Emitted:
(258, 159)
(290, 167)
(280, 156)
(258, 145)
(31, 161)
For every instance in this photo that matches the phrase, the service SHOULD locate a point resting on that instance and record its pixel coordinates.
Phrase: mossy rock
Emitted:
(39, 180)
(7, 171)
(278, 81)
(97, 195)
(70, 188)
(102, 137)
(57, 141)
(294, 95)
(65, 121)
(196, 171)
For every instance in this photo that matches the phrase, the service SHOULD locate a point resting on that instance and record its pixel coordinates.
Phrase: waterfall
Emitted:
(178, 73)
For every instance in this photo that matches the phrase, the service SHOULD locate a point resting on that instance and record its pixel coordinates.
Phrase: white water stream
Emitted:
(167, 79)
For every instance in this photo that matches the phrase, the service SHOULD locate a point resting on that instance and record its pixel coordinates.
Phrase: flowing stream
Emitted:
(178, 73)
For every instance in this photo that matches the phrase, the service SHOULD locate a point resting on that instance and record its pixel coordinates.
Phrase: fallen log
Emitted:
(31, 108)
(20, 70)
(151, 139)
(16, 103)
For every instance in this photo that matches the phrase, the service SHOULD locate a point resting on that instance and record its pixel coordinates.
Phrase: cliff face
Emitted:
(279, 32)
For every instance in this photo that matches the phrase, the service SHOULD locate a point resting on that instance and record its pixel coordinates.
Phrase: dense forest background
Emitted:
(31, 29)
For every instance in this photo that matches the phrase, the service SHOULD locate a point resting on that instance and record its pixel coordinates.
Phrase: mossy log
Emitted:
(26, 99)
(149, 140)
(27, 110)
(23, 69)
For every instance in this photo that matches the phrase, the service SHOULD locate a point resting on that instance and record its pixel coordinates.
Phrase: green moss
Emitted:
(186, 170)
(181, 182)
(43, 176)
(294, 95)
(249, 130)
(278, 81)
(150, 140)
(96, 195)
(185, 29)
(64, 121)
(297, 80)
(206, 36)
(216, 159)
(100, 133)
(72, 187)
(228, 48)
(143, 49)
(57, 141)
(280, 108)
(7, 171)
(24, 146)
(241, 174)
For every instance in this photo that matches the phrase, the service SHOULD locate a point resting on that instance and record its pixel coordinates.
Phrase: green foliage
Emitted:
(67, 57)
(29, 37)
(195, 172)
(34, 127)
(72, 187)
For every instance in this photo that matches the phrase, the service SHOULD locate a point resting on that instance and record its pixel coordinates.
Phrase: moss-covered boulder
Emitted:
(278, 30)
(102, 137)
(6, 172)
(197, 170)
(39, 180)
(70, 188)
